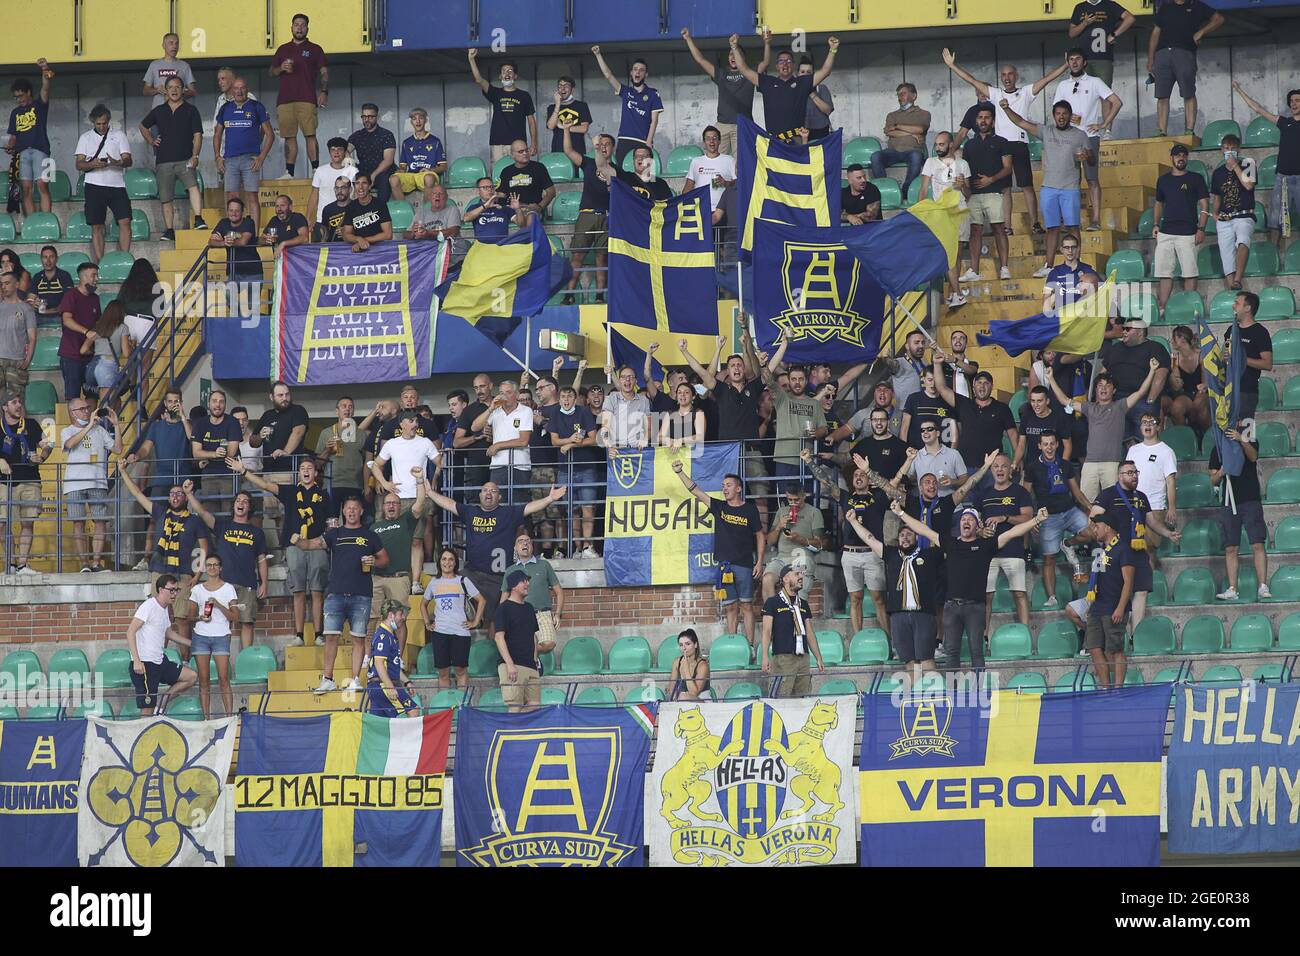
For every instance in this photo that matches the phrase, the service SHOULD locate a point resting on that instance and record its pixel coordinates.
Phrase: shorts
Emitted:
(590, 232)
(240, 174)
(100, 199)
(1096, 475)
(587, 484)
(1090, 169)
(182, 610)
(381, 705)
(292, 117)
(1288, 186)
(1104, 634)
(1022, 171)
(248, 603)
(1059, 207)
(1013, 568)
(1171, 249)
(510, 480)
(489, 585)
(449, 650)
(1175, 66)
(1103, 70)
(25, 498)
(414, 182)
(168, 173)
(985, 209)
(741, 587)
(796, 673)
(913, 635)
(528, 689)
(389, 587)
(756, 474)
(1250, 515)
(862, 570)
(148, 684)
(1057, 527)
(13, 378)
(87, 503)
(217, 646)
(307, 570)
(31, 165)
(103, 372)
(352, 609)
(1231, 234)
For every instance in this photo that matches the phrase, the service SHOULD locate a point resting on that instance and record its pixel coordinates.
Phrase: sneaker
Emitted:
(600, 297)
(141, 565)
(1093, 227)
(557, 555)
(352, 684)
(285, 175)
(1038, 229)
(940, 654)
(568, 299)
(970, 275)
(25, 569)
(1106, 133)
(169, 235)
(1229, 595)
(199, 223)
(1042, 272)
(87, 569)
(1083, 652)
(325, 686)
(956, 300)
(297, 641)
(588, 552)
(1050, 604)
(416, 589)
(1004, 273)
(1158, 134)
(1264, 594)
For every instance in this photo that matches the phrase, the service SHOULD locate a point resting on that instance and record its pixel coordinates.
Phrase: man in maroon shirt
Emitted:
(297, 63)
(80, 310)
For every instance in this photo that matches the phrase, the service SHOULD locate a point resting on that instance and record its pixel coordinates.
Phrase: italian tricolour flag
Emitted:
(404, 746)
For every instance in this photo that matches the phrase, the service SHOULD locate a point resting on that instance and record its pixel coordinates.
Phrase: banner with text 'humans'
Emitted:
(342, 317)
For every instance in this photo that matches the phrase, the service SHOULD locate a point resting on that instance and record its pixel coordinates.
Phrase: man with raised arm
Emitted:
(785, 96)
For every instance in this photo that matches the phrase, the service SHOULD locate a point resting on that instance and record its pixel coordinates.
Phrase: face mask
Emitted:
(508, 84)
(1229, 154)
(90, 289)
(700, 390)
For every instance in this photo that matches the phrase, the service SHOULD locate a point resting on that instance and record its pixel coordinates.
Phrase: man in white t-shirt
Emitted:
(409, 453)
(943, 171)
(322, 180)
(1157, 467)
(1086, 95)
(717, 170)
(146, 639)
(512, 431)
(103, 154)
(87, 445)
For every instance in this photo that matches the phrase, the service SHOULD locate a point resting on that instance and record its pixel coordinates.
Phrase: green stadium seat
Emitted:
(42, 713)
(128, 709)
(254, 663)
(1203, 634)
(1274, 438)
(40, 397)
(180, 192)
(114, 266)
(141, 183)
(1208, 264)
(1267, 394)
(664, 657)
(566, 207)
(1263, 259)
(1141, 305)
(1283, 488)
(1195, 490)
(8, 232)
(581, 656)
(1057, 639)
(913, 193)
(1285, 583)
(1198, 166)
(1167, 675)
(644, 694)
(31, 261)
(837, 685)
(1018, 400)
(1286, 344)
(743, 690)
(1221, 674)
(831, 644)
(465, 172)
(891, 195)
(559, 166)
(886, 684)
(1064, 593)
(1159, 594)
(1146, 223)
(499, 166)
(493, 700)
(424, 661)
(860, 150)
(1291, 265)
(1035, 149)
(1288, 632)
(1155, 635)
(547, 661)
(1212, 138)
(729, 652)
(556, 695)
(1276, 302)
(1291, 391)
(1261, 218)
(445, 699)
(1183, 308)
(1028, 682)
(629, 655)
(679, 160)
(140, 226)
(1133, 678)
(1221, 306)
(402, 213)
(1194, 586)
(100, 708)
(1286, 536)
(77, 230)
(40, 227)
(1011, 642)
(1127, 264)
(869, 646)
(1251, 632)
(24, 669)
(113, 667)
(185, 708)
(46, 356)
(1261, 134)
(1267, 173)
(1181, 439)
(557, 245)
(1200, 537)
(1069, 683)
(483, 659)
(1270, 673)
(1003, 601)
(1162, 341)
(69, 668)
(657, 167)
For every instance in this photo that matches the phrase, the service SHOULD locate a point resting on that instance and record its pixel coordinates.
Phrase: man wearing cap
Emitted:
(797, 526)
(1182, 208)
(983, 421)
(386, 684)
(23, 448)
(788, 636)
(514, 628)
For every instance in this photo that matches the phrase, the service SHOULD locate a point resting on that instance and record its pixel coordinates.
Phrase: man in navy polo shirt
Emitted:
(640, 109)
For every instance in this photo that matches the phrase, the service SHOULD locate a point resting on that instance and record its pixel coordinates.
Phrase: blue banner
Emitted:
(1008, 779)
(559, 786)
(40, 778)
(1234, 769)
(785, 182)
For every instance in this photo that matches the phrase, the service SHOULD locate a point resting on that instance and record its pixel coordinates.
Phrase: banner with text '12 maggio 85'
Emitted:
(343, 317)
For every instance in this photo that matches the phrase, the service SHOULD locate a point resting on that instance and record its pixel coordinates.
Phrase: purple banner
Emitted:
(343, 317)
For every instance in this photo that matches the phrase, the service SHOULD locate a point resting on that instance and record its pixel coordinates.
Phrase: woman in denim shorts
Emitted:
(215, 609)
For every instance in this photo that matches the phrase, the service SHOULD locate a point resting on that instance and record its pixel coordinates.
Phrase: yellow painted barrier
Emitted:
(845, 16)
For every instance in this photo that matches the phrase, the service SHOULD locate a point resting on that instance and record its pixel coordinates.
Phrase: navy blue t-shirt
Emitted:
(178, 535)
(238, 546)
(347, 546)
(29, 126)
(492, 225)
(171, 453)
(490, 536)
(1110, 580)
(996, 504)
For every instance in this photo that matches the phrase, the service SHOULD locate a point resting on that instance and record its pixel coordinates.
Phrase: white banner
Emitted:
(153, 792)
(755, 783)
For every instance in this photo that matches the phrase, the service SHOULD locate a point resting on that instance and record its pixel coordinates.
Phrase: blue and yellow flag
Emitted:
(499, 285)
(1223, 386)
(1077, 329)
(657, 532)
(1013, 779)
(346, 789)
(40, 777)
(785, 182)
(560, 786)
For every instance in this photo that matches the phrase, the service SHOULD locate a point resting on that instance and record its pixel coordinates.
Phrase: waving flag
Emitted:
(40, 772)
(1222, 384)
(1077, 329)
(785, 182)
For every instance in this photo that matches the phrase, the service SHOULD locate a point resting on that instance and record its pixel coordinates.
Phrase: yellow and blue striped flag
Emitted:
(1222, 386)
(785, 182)
(1077, 329)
